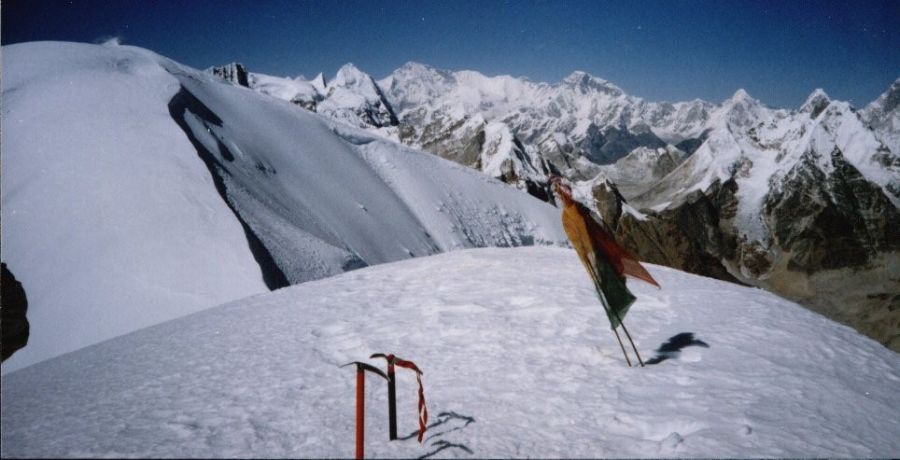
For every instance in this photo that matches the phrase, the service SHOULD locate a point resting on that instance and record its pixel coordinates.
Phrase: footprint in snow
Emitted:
(671, 442)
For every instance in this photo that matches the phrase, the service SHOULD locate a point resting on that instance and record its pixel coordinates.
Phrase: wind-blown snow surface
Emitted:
(111, 218)
(518, 361)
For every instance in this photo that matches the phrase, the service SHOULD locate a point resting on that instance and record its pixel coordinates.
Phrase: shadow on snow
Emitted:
(672, 348)
(448, 420)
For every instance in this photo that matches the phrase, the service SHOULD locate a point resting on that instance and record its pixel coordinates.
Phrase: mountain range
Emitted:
(802, 202)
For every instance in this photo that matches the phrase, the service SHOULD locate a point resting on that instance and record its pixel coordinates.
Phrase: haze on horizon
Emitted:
(661, 51)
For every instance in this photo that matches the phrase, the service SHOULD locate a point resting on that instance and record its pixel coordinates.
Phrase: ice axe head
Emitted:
(362, 367)
(393, 360)
(388, 358)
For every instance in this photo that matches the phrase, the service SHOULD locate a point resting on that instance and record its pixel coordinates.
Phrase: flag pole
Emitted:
(607, 310)
(629, 339)
(623, 347)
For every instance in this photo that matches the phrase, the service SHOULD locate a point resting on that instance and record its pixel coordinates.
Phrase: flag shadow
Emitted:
(672, 347)
(451, 421)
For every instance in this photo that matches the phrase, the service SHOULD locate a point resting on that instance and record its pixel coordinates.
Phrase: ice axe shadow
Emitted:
(445, 419)
(672, 348)
(442, 444)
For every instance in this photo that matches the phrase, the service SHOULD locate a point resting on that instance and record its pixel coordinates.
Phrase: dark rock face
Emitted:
(892, 99)
(234, 72)
(607, 146)
(831, 222)
(832, 233)
(689, 237)
(14, 320)
(306, 104)
(690, 146)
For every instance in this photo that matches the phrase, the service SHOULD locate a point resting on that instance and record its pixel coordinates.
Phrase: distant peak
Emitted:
(818, 93)
(817, 101)
(576, 75)
(416, 66)
(585, 81)
(349, 68)
(419, 70)
(349, 75)
(890, 99)
(319, 82)
(741, 95)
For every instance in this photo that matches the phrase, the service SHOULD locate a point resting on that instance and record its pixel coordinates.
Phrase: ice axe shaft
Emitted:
(360, 413)
(361, 369)
(392, 394)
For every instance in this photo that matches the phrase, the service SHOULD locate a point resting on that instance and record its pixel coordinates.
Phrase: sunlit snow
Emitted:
(518, 361)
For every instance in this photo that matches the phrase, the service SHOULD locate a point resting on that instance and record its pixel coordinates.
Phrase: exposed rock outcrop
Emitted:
(14, 319)
(234, 72)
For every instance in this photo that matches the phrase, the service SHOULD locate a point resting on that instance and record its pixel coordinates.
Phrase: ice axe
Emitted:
(392, 395)
(361, 369)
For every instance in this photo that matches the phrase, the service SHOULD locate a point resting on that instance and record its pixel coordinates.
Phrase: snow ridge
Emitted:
(142, 229)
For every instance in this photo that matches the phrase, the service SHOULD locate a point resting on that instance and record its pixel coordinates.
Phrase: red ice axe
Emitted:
(361, 369)
(392, 394)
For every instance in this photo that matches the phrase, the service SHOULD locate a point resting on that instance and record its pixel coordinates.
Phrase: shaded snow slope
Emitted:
(517, 363)
(136, 190)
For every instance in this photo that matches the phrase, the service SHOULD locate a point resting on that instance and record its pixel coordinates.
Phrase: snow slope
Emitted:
(110, 221)
(136, 190)
(517, 363)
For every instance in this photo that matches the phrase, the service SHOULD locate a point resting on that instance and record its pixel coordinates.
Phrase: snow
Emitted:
(294, 90)
(112, 222)
(518, 361)
(354, 98)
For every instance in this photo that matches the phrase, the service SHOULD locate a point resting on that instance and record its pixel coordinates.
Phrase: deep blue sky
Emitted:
(670, 50)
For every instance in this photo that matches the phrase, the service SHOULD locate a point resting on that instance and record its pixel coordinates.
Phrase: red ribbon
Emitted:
(423, 411)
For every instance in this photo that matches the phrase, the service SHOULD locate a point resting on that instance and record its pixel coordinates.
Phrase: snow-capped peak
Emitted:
(353, 97)
(817, 101)
(319, 83)
(883, 116)
(413, 67)
(741, 109)
(888, 101)
(587, 82)
(741, 95)
(349, 76)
